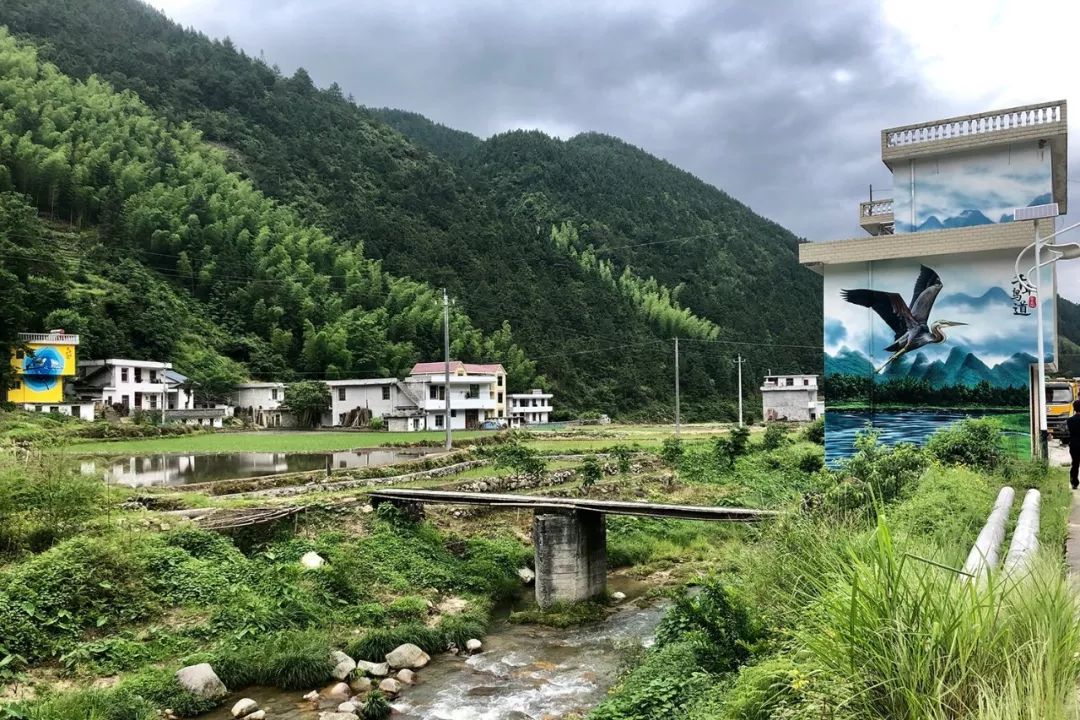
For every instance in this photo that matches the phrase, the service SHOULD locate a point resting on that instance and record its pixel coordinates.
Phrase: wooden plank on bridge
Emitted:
(608, 507)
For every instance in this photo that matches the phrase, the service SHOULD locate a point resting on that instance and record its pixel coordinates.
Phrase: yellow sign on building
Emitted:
(41, 365)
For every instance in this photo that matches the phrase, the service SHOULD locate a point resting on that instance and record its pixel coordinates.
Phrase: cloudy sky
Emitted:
(778, 102)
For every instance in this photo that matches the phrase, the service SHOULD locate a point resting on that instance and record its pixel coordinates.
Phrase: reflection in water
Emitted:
(841, 427)
(173, 469)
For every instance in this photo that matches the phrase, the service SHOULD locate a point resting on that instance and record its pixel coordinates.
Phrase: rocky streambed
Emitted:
(519, 672)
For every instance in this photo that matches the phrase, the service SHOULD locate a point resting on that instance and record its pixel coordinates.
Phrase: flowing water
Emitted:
(182, 469)
(523, 671)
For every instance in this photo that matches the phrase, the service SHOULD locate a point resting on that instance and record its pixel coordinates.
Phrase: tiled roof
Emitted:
(433, 368)
(484, 369)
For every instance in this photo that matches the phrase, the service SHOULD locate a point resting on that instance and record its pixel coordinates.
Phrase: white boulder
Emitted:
(312, 696)
(618, 596)
(201, 680)
(390, 686)
(360, 685)
(312, 560)
(257, 715)
(348, 707)
(339, 692)
(244, 707)
(407, 656)
(373, 669)
(406, 676)
(343, 665)
(473, 645)
(526, 575)
(336, 716)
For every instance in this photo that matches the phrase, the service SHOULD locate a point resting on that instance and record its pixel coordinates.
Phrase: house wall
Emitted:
(364, 396)
(792, 404)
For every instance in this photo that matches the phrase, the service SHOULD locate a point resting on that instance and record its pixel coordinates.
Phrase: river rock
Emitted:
(312, 560)
(257, 715)
(526, 575)
(390, 686)
(473, 645)
(343, 665)
(312, 696)
(407, 656)
(618, 596)
(373, 669)
(406, 676)
(201, 680)
(244, 707)
(360, 685)
(339, 692)
(336, 716)
(348, 707)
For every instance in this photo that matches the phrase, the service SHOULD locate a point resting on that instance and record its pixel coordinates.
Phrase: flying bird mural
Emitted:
(910, 323)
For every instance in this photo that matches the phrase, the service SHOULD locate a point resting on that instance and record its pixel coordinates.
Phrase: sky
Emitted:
(778, 102)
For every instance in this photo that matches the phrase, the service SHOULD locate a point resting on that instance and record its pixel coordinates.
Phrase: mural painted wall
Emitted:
(40, 373)
(969, 189)
(912, 345)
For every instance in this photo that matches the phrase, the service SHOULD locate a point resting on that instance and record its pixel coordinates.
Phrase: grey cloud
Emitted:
(778, 102)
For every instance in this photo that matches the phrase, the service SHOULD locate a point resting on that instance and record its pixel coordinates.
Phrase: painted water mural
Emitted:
(941, 334)
(969, 189)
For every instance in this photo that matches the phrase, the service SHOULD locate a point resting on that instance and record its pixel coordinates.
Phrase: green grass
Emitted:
(262, 441)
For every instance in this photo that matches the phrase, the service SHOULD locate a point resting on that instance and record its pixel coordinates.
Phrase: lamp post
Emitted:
(1057, 252)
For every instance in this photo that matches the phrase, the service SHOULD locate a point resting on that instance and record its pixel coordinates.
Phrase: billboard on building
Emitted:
(40, 369)
(915, 344)
(982, 187)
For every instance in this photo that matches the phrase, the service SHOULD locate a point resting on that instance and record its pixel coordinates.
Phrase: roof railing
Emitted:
(54, 338)
(873, 208)
(979, 124)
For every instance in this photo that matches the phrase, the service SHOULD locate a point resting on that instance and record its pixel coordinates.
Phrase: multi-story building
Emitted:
(262, 403)
(129, 385)
(477, 393)
(532, 408)
(41, 361)
(929, 310)
(790, 397)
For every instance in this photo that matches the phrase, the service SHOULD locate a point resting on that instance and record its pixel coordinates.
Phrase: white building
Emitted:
(353, 403)
(791, 397)
(132, 385)
(477, 393)
(531, 408)
(262, 403)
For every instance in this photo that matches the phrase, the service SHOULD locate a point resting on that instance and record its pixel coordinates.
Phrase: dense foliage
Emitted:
(474, 217)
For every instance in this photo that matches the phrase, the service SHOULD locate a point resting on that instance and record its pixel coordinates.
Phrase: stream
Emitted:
(523, 671)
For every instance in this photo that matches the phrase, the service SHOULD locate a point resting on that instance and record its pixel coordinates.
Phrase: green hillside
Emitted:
(1069, 342)
(475, 217)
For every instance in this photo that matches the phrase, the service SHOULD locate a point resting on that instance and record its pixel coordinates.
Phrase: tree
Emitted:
(307, 400)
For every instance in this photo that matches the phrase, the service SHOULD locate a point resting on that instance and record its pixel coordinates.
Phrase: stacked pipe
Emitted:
(984, 554)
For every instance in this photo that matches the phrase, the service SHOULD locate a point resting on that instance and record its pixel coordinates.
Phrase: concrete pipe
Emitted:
(1025, 540)
(984, 553)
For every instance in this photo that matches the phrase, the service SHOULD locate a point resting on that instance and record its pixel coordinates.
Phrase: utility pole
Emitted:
(739, 362)
(446, 358)
(677, 423)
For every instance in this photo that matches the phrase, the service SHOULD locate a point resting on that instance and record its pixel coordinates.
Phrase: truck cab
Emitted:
(1059, 399)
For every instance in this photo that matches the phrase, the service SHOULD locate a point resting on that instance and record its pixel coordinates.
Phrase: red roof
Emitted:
(438, 368)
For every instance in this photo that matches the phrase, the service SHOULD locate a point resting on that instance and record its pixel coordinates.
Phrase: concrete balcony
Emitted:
(480, 403)
(522, 409)
(1046, 122)
(876, 216)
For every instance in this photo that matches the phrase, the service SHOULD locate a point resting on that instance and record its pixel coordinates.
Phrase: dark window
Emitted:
(138, 375)
(273, 394)
(453, 413)
(474, 391)
(386, 392)
(341, 394)
(498, 380)
(438, 421)
(123, 375)
(500, 398)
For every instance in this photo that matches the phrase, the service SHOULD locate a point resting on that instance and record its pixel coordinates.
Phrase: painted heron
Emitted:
(909, 323)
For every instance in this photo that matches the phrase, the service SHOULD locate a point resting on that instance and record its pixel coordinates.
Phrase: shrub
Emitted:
(374, 644)
(975, 443)
(42, 501)
(622, 455)
(377, 423)
(376, 707)
(815, 431)
(775, 436)
(874, 474)
(671, 451)
(716, 620)
(95, 704)
(517, 457)
(590, 472)
(162, 690)
(660, 687)
(458, 629)
(291, 659)
(410, 607)
(739, 438)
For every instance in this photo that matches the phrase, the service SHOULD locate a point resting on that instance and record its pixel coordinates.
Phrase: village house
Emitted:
(531, 408)
(791, 397)
(129, 385)
(261, 403)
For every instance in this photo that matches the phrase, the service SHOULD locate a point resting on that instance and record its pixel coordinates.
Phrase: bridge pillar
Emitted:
(571, 555)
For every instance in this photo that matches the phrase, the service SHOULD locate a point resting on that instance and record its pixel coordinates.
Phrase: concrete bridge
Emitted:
(569, 535)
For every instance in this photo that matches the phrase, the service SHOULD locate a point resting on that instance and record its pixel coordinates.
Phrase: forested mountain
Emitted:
(476, 217)
(1069, 342)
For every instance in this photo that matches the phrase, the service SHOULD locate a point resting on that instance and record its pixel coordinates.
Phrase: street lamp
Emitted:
(1058, 252)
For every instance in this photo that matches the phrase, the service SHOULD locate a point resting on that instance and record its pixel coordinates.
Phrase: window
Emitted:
(341, 394)
(153, 376)
(138, 375)
(438, 421)
(16, 385)
(498, 380)
(153, 401)
(273, 394)
(386, 392)
(19, 354)
(54, 409)
(499, 398)
(123, 374)
(453, 413)
(437, 392)
(474, 392)
(790, 381)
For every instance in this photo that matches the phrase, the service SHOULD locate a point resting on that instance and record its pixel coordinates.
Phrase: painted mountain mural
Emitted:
(961, 367)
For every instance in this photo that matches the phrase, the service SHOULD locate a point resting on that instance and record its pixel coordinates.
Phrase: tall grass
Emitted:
(917, 643)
